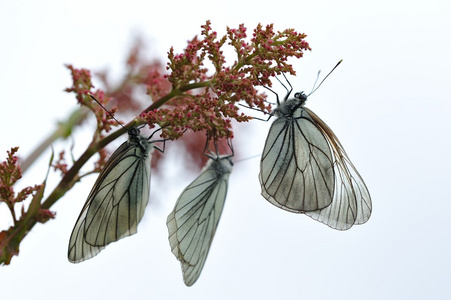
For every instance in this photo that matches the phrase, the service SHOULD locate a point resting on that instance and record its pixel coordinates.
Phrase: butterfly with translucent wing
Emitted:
(193, 222)
(118, 199)
(305, 169)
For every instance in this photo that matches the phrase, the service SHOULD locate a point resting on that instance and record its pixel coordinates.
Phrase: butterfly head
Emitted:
(141, 142)
(133, 132)
(301, 96)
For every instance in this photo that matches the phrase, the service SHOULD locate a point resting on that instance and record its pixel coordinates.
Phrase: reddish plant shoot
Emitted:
(10, 173)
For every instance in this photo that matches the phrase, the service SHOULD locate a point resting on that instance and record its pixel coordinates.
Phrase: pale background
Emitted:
(389, 103)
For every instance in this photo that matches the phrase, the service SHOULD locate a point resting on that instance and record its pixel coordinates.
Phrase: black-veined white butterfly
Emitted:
(193, 222)
(117, 201)
(304, 168)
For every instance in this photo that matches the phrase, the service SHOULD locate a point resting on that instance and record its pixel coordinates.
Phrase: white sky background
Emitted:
(389, 103)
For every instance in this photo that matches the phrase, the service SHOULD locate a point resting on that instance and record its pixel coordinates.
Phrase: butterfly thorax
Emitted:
(221, 164)
(288, 107)
(226, 165)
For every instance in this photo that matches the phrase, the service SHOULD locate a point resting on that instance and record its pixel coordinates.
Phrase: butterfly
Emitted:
(305, 169)
(118, 199)
(193, 222)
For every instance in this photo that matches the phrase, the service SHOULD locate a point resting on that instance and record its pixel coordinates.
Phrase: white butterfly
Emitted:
(304, 168)
(192, 224)
(117, 201)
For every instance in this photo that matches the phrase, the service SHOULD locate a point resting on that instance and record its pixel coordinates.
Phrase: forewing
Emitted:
(352, 202)
(193, 222)
(115, 205)
(296, 169)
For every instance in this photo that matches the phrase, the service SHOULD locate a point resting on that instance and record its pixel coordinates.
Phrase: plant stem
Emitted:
(63, 131)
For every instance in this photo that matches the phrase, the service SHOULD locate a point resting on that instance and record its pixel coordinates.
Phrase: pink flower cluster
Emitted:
(207, 100)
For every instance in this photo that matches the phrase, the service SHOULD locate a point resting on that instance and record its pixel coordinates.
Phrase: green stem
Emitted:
(63, 131)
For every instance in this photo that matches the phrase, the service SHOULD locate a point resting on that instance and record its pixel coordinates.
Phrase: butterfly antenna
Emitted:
(93, 98)
(247, 158)
(316, 81)
(314, 89)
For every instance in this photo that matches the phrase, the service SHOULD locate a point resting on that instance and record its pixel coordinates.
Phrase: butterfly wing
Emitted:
(79, 249)
(193, 222)
(116, 203)
(296, 169)
(352, 202)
